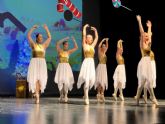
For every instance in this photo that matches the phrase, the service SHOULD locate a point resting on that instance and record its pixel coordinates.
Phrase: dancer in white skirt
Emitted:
(119, 76)
(101, 71)
(64, 75)
(153, 68)
(144, 70)
(37, 71)
(153, 65)
(87, 72)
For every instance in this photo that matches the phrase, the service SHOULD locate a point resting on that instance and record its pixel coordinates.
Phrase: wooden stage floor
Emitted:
(50, 111)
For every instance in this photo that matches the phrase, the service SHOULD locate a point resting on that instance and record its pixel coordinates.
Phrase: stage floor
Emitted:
(50, 111)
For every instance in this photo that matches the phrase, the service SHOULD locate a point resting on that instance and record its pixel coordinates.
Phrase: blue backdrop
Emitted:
(16, 17)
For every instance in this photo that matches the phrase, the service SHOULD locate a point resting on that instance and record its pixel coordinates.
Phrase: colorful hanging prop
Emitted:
(70, 5)
(69, 16)
(117, 4)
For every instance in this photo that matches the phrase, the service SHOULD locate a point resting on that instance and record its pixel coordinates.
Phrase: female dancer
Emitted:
(144, 71)
(101, 72)
(153, 64)
(64, 75)
(87, 72)
(119, 76)
(37, 71)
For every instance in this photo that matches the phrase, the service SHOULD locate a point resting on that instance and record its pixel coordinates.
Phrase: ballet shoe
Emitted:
(65, 99)
(98, 97)
(61, 98)
(86, 101)
(121, 97)
(135, 97)
(145, 99)
(114, 96)
(137, 100)
(102, 98)
(37, 98)
(155, 102)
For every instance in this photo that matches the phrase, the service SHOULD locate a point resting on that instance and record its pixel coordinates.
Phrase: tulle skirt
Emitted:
(87, 73)
(37, 71)
(101, 76)
(145, 72)
(153, 67)
(119, 76)
(64, 76)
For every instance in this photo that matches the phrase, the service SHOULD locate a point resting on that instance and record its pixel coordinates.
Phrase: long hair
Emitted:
(64, 42)
(37, 36)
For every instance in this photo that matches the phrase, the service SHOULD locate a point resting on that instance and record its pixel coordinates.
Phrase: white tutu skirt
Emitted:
(87, 73)
(64, 76)
(101, 76)
(145, 72)
(153, 65)
(119, 76)
(37, 71)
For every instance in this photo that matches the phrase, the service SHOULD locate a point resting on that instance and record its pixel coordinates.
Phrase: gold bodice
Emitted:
(120, 60)
(64, 57)
(38, 51)
(103, 59)
(145, 52)
(152, 56)
(88, 51)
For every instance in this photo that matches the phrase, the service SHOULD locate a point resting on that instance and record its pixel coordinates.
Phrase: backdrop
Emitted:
(17, 17)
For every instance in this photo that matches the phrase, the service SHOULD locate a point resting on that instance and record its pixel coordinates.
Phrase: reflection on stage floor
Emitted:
(50, 111)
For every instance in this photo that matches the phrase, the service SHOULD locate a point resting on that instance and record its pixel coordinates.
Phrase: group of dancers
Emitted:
(88, 76)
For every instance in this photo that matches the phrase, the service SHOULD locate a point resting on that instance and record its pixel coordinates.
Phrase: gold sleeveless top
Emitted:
(120, 60)
(64, 57)
(38, 51)
(103, 59)
(145, 52)
(88, 51)
(152, 56)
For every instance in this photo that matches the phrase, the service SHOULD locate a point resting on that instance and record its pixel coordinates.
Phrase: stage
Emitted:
(50, 111)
